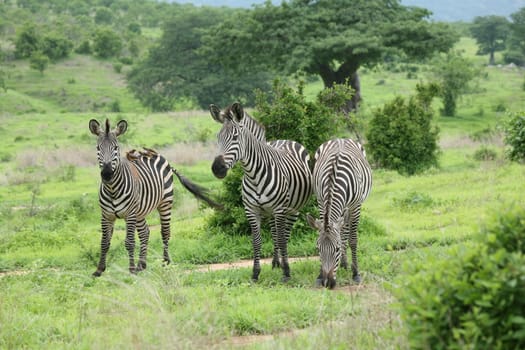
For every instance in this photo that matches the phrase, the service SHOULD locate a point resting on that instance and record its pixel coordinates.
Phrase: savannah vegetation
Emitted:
(449, 236)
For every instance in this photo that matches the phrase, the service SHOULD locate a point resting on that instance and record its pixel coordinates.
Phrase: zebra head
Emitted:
(228, 139)
(108, 151)
(329, 245)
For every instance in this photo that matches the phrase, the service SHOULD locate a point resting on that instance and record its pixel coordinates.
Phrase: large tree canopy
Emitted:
(175, 71)
(329, 38)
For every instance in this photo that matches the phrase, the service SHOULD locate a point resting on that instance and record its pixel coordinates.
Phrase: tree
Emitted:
(454, 73)
(401, 135)
(173, 69)
(27, 41)
(517, 37)
(103, 15)
(328, 38)
(490, 33)
(106, 43)
(55, 46)
(39, 61)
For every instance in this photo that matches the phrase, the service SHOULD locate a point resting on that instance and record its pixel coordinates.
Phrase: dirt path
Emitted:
(248, 263)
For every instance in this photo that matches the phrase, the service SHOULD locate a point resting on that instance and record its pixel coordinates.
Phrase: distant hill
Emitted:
(443, 10)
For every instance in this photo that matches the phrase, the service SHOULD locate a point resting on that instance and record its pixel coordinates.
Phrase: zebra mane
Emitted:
(256, 128)
(107, 126)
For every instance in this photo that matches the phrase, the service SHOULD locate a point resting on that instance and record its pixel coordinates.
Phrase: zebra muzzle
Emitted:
(328, 279)
(219, 167)
(107, 172)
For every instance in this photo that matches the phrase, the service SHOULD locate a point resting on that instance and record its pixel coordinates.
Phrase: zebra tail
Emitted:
(198, 191)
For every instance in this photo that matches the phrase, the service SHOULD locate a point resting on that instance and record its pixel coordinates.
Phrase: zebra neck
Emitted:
(119, 182)
(257, 156)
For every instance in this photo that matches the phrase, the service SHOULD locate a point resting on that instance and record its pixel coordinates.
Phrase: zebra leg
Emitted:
(284, 225)
(165, 230)
(105, 241)
(354, 222)
(275, 260)
(345, 237)
(143, 231)
(255, 223)
(131, 222)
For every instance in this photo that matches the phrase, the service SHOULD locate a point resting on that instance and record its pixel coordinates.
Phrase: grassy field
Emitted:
(49, 237)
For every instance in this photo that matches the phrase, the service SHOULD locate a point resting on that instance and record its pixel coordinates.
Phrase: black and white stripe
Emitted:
(277, 179)
(131, 188)
(342, 181)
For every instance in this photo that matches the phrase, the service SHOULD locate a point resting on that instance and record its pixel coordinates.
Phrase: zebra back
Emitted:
(342, 177)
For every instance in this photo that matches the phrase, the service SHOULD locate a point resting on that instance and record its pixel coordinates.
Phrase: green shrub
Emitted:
(106, 43)
(414, 200)
(117, 67)
(39, 61)
(515, 136)
(55, 46)
(485, 153)
(472, 298)
(500, 107)
(84, 48)
(401, 136)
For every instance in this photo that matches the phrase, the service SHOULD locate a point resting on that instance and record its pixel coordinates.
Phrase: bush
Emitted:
(485, 153)
(286, 114)
(472, 298)
(401, 136)
(515, 136)
(38, 61)
(117, 67)
(55, 46)
(84, 48)
(27, 41)
(106, 43)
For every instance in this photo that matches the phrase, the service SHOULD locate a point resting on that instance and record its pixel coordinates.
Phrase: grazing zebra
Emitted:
(342, 181)
(276, 183)
(131, 188)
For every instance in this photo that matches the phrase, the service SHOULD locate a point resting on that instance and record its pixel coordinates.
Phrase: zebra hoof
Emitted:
(318, 282)
(141, 266)
(276, 264)
(285, 279)
(357, 278)
(97, 273)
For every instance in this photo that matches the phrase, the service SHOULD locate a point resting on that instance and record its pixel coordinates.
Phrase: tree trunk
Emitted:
(340, 77)
(492, 61)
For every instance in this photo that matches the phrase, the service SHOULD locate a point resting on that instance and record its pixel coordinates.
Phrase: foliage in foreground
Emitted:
(473, 298)
(515, 136)
(401, 136)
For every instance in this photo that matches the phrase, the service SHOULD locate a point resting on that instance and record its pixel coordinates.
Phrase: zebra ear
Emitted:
(216, 113)
(94, 127)
(121, 128)
(315, 224)
(238, 111)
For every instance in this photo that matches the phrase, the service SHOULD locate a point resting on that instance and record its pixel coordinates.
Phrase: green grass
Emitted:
(50, 232)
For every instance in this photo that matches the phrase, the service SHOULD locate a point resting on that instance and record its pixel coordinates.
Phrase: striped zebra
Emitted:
(342, 181)
(131, 187)
(276, 183)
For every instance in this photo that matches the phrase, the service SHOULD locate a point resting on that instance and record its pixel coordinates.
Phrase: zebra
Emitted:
(131, 187)
(342, 181)
(277, 179)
